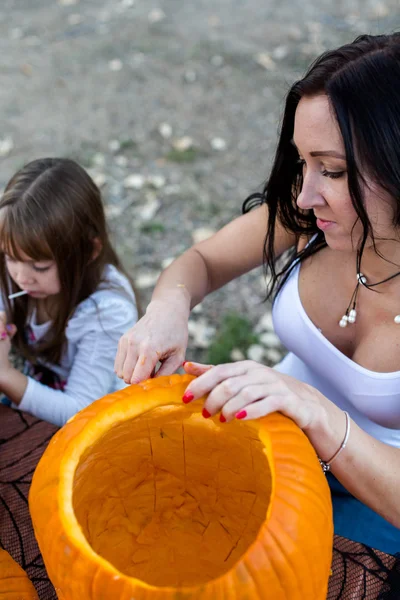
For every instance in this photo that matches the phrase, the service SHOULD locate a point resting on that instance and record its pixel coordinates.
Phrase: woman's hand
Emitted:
(161, 335)
(249, 390)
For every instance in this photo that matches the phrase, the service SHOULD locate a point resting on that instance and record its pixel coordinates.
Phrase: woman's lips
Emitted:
(324, 225)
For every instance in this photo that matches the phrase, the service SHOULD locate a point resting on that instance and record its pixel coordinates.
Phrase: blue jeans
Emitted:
(354, 520)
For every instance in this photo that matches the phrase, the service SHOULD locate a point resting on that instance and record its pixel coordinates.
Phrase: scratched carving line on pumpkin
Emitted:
(154, 467)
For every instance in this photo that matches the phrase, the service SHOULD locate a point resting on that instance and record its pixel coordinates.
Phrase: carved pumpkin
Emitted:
(14, 582)
(139, 497)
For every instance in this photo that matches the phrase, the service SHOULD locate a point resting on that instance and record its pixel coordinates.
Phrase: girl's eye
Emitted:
(333, 174)
(40, 269)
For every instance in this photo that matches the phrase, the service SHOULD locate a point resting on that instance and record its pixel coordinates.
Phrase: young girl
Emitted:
(65, 299)
(333, 201)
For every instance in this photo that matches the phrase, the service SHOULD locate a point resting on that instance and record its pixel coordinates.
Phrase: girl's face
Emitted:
(325, 188)
(39, 278)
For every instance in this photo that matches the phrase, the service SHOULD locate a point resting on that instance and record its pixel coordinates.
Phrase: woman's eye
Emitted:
(333, 174)
(40, 269)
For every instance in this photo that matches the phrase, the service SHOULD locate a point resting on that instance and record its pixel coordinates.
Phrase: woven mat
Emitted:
(358, 572)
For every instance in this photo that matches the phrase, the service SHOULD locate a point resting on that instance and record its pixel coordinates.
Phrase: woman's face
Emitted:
(325, 187)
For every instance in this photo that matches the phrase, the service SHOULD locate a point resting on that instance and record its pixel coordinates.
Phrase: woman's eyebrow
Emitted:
(331, 153)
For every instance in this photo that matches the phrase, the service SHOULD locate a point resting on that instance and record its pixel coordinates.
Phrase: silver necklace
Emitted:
(350, 315)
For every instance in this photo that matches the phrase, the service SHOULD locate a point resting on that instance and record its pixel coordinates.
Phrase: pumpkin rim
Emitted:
(115, 414)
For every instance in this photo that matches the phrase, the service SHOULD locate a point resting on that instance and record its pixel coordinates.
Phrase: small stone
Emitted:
(75, 19)
(99, 179)
(255, 352)
(127, 3)
(98, 160)
(265, 323)
(6, 145)
(146, 280)
(217, 60)
(218, 144)
(156, 16)
(269, 339)
(135, 182)
(190, 76)
(264, 60)
(167, 261)
(115, 64)
(280, 52)
(149, 210)
(237, 354)
(16, 33)
(156, 181)
(165, 130)
(114, 145)
(273, 355)
(121, 161)
(113, 210)
(68, 2)
(198, 309)
(202, 233)
(397, 319)
(201, 333)
(172, 189)
(294, 33)
(182, 144)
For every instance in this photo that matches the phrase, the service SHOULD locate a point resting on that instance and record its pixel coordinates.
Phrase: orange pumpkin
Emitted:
(14, 582)
(140, 497)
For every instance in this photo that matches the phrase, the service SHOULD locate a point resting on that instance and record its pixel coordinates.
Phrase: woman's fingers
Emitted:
(197, 369)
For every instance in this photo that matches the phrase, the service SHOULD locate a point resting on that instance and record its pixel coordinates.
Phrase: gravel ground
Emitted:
(173, 107)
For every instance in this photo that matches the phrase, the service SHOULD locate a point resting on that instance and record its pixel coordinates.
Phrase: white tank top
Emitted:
(372, 399)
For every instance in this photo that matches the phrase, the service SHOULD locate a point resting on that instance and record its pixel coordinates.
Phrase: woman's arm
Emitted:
(161, 335)
(368, 469)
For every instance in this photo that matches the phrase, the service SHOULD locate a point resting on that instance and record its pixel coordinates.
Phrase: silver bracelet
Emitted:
(326, 466)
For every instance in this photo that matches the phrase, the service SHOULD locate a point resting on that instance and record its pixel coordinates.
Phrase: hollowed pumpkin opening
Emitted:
(171, 498)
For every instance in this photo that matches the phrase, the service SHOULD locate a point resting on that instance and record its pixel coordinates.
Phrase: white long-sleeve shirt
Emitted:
(87, 363)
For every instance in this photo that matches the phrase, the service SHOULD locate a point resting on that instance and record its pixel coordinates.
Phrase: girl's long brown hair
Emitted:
(52, 210)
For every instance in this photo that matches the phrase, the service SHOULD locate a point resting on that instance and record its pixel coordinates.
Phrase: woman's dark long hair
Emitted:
(362, 83)
(52, 210)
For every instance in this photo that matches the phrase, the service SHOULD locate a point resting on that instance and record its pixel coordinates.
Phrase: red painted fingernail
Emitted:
(241, 415)
(205, 413)
(187, 397)
(222, 418)
(184, 363)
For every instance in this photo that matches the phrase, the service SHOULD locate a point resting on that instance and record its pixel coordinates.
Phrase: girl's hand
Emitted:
(6, 334)
(161, 335)
(249, 390)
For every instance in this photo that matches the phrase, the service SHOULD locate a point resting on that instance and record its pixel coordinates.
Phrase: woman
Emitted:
(333, 200)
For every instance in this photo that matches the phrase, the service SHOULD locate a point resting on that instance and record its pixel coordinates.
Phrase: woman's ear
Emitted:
(97, 247)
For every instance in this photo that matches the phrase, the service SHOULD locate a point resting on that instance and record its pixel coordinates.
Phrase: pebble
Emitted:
(99, 160)
(280, 52)
(6, 145)
(16, 33)
(190, 76)
(265, 323)
(182, 144)
(264, 60)
(148, 210)
(198, 309)
(114, 145)
(202, 233)
(127, 3)
(156, 181)
(255, 352)
(165, 130)
(217, 60)
(156, 16)
(166, 262)
(100, 179)
(273, 355)
(237, 354)
(113, 210)
(121, 161)
(135, 182)
(201, 332)
(115, 64)
(75, 19)
(146, 280)
(218, 144)
(68, 2)
(269, 339)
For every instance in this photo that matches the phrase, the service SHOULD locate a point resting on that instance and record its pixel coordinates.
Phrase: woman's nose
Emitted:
(23, 275)
(310, 196)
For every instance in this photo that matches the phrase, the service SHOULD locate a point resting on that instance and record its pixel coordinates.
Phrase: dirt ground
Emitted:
(172, 105)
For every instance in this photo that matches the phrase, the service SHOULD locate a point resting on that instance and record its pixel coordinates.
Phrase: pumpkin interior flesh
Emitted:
(168, 500)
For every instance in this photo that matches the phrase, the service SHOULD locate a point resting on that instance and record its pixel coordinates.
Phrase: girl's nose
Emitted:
(23, 275)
